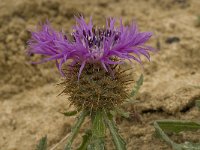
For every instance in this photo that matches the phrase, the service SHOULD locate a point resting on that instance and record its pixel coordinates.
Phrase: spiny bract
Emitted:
(96, 88)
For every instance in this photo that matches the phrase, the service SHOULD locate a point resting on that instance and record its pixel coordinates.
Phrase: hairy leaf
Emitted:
(75, 129)
(178, 125)
(164, 126)
(136, 88)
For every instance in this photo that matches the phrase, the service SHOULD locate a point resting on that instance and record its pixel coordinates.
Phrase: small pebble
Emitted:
(171, 40)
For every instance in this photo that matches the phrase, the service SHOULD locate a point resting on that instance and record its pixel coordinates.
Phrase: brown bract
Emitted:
(96, 88)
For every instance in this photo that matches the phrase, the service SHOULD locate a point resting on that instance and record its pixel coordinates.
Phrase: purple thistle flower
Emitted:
(91, 44)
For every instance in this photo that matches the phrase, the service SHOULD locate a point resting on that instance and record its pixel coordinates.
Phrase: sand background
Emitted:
(29, 105)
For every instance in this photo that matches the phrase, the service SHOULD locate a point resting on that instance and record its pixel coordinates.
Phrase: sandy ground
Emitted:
(29, 105)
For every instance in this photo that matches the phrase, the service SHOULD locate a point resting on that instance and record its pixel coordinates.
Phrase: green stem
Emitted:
(75, 129)
(98, 131)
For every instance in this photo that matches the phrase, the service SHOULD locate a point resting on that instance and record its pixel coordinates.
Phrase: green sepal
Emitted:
(166, 126)
(120, 144)
(86, 139)
(42, 145)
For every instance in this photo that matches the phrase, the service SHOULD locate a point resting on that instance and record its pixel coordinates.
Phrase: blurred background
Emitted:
(29, 105)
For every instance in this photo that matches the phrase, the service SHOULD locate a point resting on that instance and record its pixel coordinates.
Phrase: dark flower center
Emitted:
(98, 35)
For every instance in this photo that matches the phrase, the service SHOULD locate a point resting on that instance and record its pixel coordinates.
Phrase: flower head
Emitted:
(91, 45)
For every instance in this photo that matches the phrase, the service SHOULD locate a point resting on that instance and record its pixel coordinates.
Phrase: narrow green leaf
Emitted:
(178, 125)
(42, 145)
(135, 91)
(75, 129)
(86, 139)
(136, 88)
(162, 134)
(70, 113)
(198, 103)
(117, 139)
